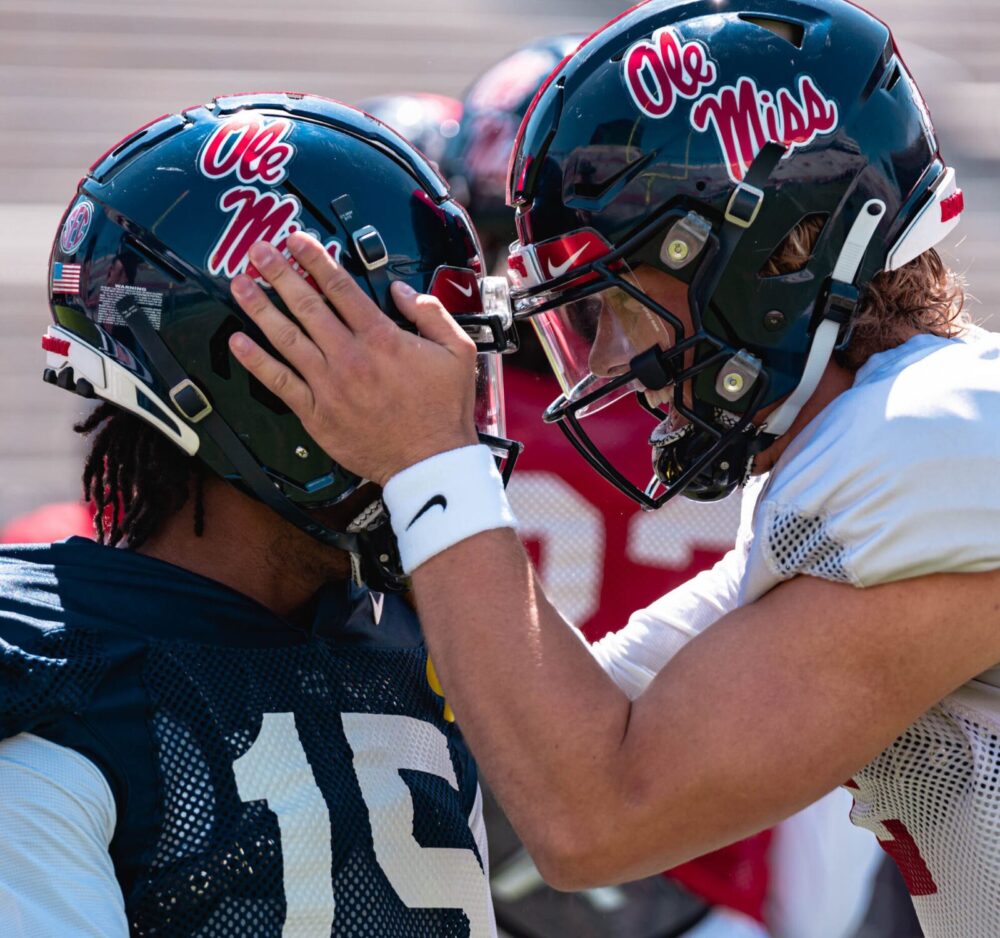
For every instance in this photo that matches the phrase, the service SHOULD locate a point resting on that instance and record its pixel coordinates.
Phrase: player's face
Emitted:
(626, 328)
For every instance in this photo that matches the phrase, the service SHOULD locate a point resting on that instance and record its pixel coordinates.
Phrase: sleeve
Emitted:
(898, 479)
(57, 820)
(633, 656)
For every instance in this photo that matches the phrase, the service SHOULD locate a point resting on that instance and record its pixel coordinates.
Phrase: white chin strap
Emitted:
(825, 339)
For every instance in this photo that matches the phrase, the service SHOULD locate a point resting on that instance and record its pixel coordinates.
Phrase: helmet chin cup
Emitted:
(710, 479)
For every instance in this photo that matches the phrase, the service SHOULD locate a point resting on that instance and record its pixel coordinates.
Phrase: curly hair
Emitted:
(136, 478)
(924, 296)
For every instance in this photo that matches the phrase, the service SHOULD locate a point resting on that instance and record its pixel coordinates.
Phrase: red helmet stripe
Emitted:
(953, 206)
(55, 345)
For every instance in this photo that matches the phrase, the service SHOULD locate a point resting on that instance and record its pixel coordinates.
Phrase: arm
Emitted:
(758, 716)
(754, 719)
(57, 820)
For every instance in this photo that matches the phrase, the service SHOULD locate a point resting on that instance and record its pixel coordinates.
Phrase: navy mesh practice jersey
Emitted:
(269, 778)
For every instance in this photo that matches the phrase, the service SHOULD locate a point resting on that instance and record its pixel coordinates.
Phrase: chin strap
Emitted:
(376, 564)
(839, 305)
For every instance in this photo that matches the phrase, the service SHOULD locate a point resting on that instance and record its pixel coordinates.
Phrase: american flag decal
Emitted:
(66, 278)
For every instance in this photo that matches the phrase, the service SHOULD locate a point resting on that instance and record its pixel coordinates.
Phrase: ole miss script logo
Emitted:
(250, 148)
(661, 70)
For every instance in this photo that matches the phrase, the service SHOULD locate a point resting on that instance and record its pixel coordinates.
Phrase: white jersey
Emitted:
(898, 477)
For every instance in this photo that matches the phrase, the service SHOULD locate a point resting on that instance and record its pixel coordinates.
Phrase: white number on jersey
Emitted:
(275, 769)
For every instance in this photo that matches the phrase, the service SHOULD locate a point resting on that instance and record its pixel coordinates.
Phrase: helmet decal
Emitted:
(659, 70)
(257, 216)
(66, 278)
(76, 226)
(745, 118)
(251, 146)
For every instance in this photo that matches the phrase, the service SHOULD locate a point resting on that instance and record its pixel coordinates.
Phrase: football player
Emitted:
(596, 552)
(210, 726)
(727, 214)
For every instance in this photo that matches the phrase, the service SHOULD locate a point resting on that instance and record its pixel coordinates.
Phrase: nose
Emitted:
(611, 350)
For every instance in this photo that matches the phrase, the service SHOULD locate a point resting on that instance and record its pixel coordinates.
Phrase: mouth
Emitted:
(669, 431)
(659, 398)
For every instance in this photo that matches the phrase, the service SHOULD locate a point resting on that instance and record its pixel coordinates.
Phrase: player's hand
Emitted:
(376, 398)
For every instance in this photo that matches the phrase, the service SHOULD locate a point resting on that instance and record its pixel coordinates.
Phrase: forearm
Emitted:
(543, 720)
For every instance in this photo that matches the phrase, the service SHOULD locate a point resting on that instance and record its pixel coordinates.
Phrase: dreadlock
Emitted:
(136, 478)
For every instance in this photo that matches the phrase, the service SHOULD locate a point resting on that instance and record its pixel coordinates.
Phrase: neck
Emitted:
(248, 548)
(834, 382)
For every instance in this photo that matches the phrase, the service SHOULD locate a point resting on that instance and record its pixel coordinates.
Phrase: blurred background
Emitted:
(78, 75)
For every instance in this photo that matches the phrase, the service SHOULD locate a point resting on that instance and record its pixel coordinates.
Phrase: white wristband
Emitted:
(443, 500)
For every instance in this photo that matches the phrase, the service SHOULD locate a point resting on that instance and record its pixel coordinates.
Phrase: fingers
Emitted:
(353, 305)
(305, 304)
(275, 376)
(282, 332)
(432, 320)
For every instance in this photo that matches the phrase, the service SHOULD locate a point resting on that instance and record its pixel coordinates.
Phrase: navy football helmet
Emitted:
(161, 224)
(689, 140)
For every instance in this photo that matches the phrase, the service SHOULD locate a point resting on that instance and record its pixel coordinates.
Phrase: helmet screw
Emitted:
(724, 466)
(733, 383)
(774, 320)
(383, 558)
(301, 452)
(678, 250)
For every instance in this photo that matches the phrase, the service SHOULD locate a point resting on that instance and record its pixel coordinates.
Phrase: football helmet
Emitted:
(475, 159)
(682, 144)
(144, 256)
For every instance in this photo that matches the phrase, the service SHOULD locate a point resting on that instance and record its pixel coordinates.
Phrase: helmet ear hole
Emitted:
(218, 347)
(796, 248)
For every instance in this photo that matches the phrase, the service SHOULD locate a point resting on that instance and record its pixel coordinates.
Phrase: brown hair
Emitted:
(924, 296)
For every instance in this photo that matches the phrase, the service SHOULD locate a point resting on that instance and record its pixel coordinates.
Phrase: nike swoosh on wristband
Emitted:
(438, 501)
(465, 291)
(557, 270)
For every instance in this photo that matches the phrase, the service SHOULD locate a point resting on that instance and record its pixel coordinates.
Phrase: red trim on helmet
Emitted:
(576, 249)
(532, 265)
(522, 179)
(953, 206)
(518, 267)
(51, 343)
(458, 290)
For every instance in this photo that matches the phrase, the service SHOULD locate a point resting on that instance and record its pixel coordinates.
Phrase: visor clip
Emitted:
(738, 376)
(651, 371)
(685, 241)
